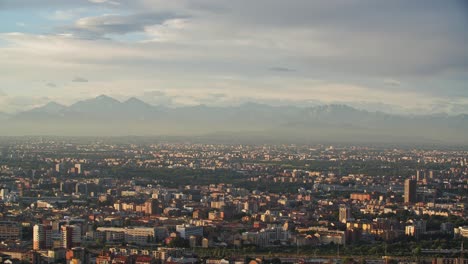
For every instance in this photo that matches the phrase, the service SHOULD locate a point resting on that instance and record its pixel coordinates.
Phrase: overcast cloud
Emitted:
(400, 56)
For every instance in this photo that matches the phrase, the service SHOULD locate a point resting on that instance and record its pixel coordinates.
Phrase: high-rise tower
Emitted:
(71, 236)
(410, 191)
(42, 237)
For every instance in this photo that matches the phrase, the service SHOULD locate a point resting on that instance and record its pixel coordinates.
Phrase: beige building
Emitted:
(10, 230)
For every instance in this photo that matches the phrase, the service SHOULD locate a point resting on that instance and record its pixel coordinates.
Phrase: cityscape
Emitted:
(100, 201)
(233, 132)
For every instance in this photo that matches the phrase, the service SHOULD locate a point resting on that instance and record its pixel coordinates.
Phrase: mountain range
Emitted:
(106, 116)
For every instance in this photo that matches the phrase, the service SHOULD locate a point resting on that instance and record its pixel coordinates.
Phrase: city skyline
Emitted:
(104, 200)
(233, 132)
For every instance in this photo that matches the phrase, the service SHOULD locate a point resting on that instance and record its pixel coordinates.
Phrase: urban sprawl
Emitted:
(102, 201)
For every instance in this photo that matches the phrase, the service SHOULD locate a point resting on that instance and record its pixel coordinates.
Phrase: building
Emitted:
(186, 231)
(135, 235)
(145, 260)
(140, 235)
(450, 261)
(431, 174)
(42, 237)
(55, 254)
(331, 236)
(193, 241)
(360, 196)
(10, 230)
(67, 187)
(60, 167)
(344, 214)
(104, 259)
(410, 191)
(420, 175)
(152, 207)
(461, 231)
(20, 254)
(416, 229)
(77, 255)
(71, 236)
(81, 188)
(205, 243)
(447, 228)
(272, 236)
(4, 193)
(78, 168)
(387, 229)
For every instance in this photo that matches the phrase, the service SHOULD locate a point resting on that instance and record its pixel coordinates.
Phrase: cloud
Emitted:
(51, 84)
(345, 50)
(116, 3)
(13, 104)
(454, 106)
(392, 82)
(350, 37)
(109, 24)
(65, 14)
(281, 69)
(79, 79)
(218, 95)
(374, 106)
(217, 99)
(105, 1)
(43, 4)
(155, 93)
(156, 97)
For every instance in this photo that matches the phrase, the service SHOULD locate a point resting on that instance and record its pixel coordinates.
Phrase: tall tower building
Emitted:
(59, 167)
(20, 188)
(152, 207)
(4, 193)
(420, 175)
(78, 168)
(42, 237)
(81, 188)
(410, 191)
(71, 236)
(344, 213)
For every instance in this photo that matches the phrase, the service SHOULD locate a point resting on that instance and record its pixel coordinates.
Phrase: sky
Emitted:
(394, 56)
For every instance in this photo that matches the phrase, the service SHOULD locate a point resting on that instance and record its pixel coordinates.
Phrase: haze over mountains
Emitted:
(106, 116)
